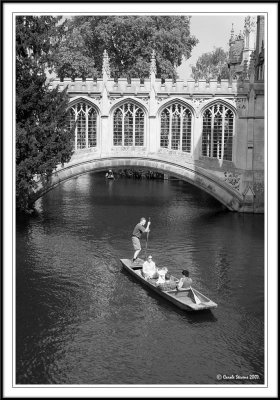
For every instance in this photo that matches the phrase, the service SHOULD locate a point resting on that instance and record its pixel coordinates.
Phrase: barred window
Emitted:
(176, 128)
(217, 132)
(85, 117)
(128, 125)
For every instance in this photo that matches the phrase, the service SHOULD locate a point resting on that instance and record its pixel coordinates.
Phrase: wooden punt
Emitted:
(189, 299)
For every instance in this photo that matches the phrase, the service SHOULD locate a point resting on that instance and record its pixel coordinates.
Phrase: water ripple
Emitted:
(81, 319)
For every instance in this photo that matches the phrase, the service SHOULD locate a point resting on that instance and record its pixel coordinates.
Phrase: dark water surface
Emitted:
(80, 319)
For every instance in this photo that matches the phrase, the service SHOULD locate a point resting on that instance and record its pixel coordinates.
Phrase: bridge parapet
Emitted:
(135, 86)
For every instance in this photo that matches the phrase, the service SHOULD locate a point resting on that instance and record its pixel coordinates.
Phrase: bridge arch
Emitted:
(190, 173)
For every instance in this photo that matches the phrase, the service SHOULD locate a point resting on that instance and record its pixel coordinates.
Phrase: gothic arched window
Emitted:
(176, 128)
(128, 125)
(217, 132)
(85, 118)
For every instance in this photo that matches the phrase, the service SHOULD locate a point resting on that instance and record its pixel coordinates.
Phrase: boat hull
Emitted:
(189, 300)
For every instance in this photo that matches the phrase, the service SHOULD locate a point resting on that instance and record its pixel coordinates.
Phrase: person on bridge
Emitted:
(136, 236)
(149, 269)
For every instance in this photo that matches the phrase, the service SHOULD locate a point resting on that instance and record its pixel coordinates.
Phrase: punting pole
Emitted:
(147, 238)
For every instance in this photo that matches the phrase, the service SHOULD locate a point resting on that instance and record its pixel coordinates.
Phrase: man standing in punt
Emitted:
(136, 236)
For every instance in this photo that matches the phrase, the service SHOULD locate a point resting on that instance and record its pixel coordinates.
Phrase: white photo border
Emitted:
(10, 389)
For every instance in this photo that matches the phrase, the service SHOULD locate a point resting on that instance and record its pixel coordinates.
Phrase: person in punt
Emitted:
(166, 281)
(110, 174)
(161, 275)
(136, 236)
(185, 282)
(149, 269)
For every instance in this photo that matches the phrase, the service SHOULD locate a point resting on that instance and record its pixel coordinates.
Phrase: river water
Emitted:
(81, 320)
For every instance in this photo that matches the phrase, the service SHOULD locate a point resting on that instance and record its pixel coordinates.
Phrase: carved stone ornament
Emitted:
(106, 65)
(197, 102)
(153, 67)
(144, 99)
(250, 24)
(249, 193)
(259, 187)
(233, 179)
(160, 99)
(241, 103)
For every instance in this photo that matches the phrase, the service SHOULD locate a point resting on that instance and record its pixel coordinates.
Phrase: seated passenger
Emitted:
(149, 269)
(168, 284)
(185, 282)
(109, 174)
(161, 275)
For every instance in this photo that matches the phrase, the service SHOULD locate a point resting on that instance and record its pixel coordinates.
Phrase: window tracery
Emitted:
(85, 118)
(128, 125)
(176, 128)
(217, 132)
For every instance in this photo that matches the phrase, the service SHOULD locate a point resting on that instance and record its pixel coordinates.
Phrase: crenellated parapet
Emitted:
(136, 86)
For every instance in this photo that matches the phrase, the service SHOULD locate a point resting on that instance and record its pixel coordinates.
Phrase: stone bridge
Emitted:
(224, 186)
(208, 133)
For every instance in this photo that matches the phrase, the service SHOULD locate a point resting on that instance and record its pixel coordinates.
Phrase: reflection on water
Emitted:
(82, 320)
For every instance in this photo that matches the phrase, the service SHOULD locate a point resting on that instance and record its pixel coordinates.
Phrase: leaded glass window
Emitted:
(139, 128)
(186, 131)
(85, 117)
(165, 127)
(217, 132)
(128, 125)
(92, 117)
(228, 134)
(118, 123)
(176, 128)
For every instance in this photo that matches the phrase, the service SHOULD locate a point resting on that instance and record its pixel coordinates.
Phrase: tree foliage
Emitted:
(212, 65)
(43, 139)
(129, 41)
(72, 59)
